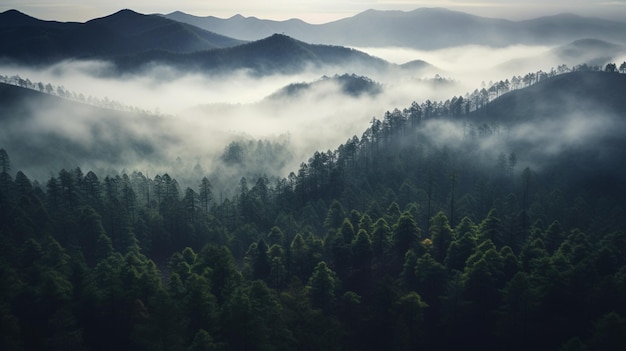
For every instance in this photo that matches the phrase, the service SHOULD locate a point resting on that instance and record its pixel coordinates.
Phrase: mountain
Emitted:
(568, 27)
(417, 65)
(423, 28)
(134, 41)
(349, 84)
(245, 28)
(125, 32)
(14, 18)
(571, 127)
(589, 51)
(580, 93)
(88, 135)
(276, 54)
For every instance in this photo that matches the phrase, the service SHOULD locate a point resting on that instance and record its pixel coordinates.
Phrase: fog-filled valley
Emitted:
(397, 180)
(175, 115)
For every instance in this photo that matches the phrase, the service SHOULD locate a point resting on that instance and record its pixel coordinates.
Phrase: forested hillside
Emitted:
(439, 228)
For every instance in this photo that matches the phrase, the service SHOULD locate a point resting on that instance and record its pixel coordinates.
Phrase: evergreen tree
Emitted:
(406, 236)
(441, 236)
(322, 285)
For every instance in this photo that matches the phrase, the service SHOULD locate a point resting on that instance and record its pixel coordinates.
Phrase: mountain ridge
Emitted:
(422, 28)
(275, 54)
(572, 92)
(349, 84)
(31, 40)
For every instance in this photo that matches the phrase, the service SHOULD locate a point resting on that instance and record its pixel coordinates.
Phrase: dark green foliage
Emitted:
(609, 333)
(322, 285)
(202, 342)
(407, 289)
(260, 261)
(335, 216)
(441, 236)
(372, 246)
(406, 236)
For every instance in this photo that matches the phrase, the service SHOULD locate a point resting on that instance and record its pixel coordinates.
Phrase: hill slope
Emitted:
(571, 127)
(126, 32)
(577, 92)
(63, 133)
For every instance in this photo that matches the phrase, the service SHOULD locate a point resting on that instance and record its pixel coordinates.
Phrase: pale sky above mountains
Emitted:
(312, 11)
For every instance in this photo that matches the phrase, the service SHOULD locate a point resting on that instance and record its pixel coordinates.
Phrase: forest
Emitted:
(396, 240)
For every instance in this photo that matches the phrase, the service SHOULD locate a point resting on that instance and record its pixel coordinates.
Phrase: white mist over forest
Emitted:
(198, 114)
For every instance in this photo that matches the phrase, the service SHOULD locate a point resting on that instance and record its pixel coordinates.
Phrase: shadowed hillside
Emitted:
(577, 92)
(30, 40)
(47, 132)
(276, 54)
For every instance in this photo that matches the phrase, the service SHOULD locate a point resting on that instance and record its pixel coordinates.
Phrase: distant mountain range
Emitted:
(275, 54)
(424, 28)
(123, 33)
(134, 41)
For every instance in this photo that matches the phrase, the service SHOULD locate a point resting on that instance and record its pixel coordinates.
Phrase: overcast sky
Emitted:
(313, 11)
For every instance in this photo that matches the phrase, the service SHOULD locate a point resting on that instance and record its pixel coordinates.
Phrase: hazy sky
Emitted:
(313, 11)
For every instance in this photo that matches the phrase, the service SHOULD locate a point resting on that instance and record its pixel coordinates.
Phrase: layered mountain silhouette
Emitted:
(134, 41)
(424, 28)
(126, 32)
(246, 28)
(275, 54)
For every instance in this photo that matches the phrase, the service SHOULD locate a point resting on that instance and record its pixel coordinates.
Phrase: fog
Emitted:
(473, 64)
(536, 141)
(196, 115)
